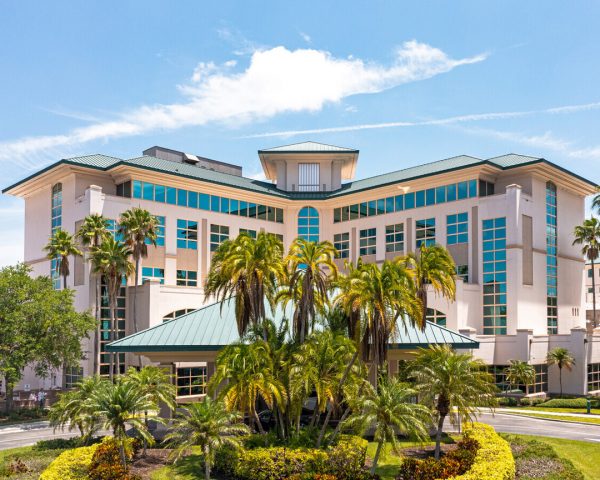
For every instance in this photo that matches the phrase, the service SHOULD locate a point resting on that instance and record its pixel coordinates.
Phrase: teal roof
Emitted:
(103, 162)
(308, 147)
(211, 328)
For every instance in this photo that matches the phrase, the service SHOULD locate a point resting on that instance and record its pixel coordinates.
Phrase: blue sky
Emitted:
(406, 83)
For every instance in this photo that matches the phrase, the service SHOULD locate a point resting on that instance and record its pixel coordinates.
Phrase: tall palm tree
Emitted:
(448, 380)
(61, 245)
(562, 358)
(110, 260)
(246, 270)
(244, 373)
(382, 296)
(117, 404)
(588, 236)
(390, 410)
(520, 372)
(310, 271)
(72, 409)
(433, 266)
(138, 228)
(207, 424)
(156, 383)
(92, 232)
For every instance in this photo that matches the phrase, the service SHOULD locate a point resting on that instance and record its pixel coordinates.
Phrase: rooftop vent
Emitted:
(190, 159)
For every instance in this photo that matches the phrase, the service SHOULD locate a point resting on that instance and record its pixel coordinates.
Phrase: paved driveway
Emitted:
(27, 434)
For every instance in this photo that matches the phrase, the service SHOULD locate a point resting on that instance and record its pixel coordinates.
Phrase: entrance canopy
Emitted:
(213, 327)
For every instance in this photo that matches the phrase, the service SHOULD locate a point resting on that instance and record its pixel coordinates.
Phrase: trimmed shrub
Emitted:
(531, 401)
(226, 460)
(278, 462)
(106, 461)
(347, 458)
(493, 460)
(569, 403)
(313, 476)
(507, 401)
(70, 465)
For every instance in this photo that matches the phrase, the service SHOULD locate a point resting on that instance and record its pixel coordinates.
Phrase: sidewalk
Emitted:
(545, 412)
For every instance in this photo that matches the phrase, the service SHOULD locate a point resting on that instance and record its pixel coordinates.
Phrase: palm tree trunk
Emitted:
(438, 436)
(145, 442)
(135, 325)
(206, 463)
(122, 452)
(261, 430)
(324, 427)
(338, 427)
(376, 458)
(593, 295)
(64, 282)
(9, 394)
(560, 379)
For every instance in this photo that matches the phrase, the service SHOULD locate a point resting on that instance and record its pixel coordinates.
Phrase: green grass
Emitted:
(187, 468)
(36, 461)
(595, 411)
(585, 456)
(564, 418)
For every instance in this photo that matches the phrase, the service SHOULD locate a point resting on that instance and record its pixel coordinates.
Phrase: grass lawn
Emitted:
(187, 468)
(35, 460)
(592, 420)
(585, 456)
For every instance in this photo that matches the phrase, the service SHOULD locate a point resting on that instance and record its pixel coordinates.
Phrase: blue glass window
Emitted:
(308, 224)
(472, 188)
(463, 190)
(399, 202)
(494, 276)
(551, 260)
(368, 242)
(218, 235)
(215, 203)
(187, 234)
(160, 232)
(389, 205)
(148, 191)
(137, 189)
(409, 200)
(193, 199)
(440, 195)
(425, 232)
(159, 193)
(204, 201)
(152, 273)
(420, 201)
(182, 198)
(234, 207)
(457, 228)
(430, 196)
(171, 195)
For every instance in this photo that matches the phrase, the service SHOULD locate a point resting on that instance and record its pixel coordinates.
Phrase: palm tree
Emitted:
(156, 383)
(588, 236)
(92, 232)
(381, 296)
(246, 270)
(110, 260)
(520, 373)
(390, 410)
(433, 266)
(321, 364)
(117, 404)
(72, 409)
(310, 270)
(61, 245)
(138, 227)
(244, 373)
(448, 380)
(561, 357)
(207, 424)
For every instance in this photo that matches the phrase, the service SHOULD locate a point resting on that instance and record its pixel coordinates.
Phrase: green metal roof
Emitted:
(308, 147)
(211, 328)
(103, 162)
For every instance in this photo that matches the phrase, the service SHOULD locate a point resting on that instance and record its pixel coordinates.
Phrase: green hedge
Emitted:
(569, 403)
(493, 460)
(70, 465)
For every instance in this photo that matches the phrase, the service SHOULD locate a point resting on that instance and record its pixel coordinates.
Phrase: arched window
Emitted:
(435, 316)
(177, 314)
(308, 224)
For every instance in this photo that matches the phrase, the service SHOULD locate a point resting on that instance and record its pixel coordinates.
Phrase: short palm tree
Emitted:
(110, 260)
(156, 383)
(246, 270)
(433, 266)
(72, 410)
(390, 410)
(562, 358)
(118, 404)
(138, 227)
(381, 296)
(244, 373)
(588, 236)
(207, 424)
(93, 231)
(61, 245)
(448, 380)
(520, 373)
(310, 271)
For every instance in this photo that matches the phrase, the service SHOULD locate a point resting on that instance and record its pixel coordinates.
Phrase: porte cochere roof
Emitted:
(213, 327)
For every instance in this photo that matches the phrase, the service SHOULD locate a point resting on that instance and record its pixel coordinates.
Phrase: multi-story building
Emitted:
(507, 221)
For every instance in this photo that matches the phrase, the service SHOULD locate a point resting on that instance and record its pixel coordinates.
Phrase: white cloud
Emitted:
(276, 81)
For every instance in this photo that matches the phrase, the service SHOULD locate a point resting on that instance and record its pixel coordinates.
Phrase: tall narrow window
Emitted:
(494, 276)
(55, 224)
(308, 224)
(218, 235)
(551, 260)
(308, 177)
(457, 228)
(187, 234)
(341, 242)
(368, 242)
(105, 326)
(394, 238)
(425, 232)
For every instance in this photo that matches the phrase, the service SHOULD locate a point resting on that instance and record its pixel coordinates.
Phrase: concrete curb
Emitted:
(549, 419)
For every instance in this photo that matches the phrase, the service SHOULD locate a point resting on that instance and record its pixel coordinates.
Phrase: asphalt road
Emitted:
(28, 434)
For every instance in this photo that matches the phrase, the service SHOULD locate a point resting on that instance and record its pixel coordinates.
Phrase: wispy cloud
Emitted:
(276, 81)
(476, 117)
(305, 37)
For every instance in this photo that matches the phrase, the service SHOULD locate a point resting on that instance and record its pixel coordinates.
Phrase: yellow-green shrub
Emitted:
(70, 465)
(493, 460)
(278, 462)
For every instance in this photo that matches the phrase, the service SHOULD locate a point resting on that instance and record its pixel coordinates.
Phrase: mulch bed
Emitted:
(154, 459)
(425, 452)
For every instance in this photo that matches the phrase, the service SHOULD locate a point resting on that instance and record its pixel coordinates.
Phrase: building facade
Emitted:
(507, 221)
